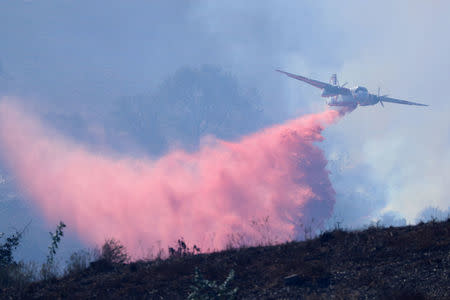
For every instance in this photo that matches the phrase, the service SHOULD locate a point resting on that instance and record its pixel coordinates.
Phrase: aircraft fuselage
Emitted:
(357, 96)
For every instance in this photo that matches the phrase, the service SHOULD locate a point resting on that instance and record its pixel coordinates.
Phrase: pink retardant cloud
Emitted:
(205, 196)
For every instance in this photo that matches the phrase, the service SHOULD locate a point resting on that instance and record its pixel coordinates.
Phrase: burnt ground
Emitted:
(411, 262)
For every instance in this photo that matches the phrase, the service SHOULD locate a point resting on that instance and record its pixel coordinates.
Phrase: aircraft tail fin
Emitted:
(333, 80)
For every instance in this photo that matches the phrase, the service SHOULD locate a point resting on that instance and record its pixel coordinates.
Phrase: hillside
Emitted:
(411, 262)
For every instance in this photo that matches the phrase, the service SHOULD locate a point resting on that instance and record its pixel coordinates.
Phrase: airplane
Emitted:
(338, 95)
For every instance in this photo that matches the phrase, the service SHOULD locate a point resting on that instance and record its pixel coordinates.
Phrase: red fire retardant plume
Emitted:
(204, 197)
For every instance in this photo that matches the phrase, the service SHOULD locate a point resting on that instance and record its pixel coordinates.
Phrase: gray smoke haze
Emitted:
(107, 73)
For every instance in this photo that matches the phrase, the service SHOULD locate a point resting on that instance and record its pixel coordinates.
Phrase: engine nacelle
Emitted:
(360, 91)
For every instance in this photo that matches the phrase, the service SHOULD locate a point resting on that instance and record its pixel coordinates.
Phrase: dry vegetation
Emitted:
(411, 262)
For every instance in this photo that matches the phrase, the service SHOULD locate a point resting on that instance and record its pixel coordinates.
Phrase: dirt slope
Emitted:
(410, 262)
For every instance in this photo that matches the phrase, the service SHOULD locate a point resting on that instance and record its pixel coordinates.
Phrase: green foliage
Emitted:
(114, 252)
(203, 289)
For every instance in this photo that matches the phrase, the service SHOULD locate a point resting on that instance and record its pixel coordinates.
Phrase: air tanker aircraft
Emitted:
(338, 95)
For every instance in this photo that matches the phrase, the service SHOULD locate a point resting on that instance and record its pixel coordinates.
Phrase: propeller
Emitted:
(379, 98)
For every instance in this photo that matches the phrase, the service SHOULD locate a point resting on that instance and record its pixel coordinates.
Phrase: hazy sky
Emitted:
(74, 55)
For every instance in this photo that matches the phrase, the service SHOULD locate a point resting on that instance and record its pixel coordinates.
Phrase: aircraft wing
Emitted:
(393, 100)
(316, 83)
(319, 84)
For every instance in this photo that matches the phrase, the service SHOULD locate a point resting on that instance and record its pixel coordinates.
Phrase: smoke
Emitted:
(278, 173)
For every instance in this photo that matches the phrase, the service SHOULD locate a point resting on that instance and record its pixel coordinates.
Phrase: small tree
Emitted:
(56, 239)
(7, 248)
(114, 252)
(48, 269)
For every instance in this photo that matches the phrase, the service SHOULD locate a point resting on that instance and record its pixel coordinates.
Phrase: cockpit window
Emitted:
(361, 89)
